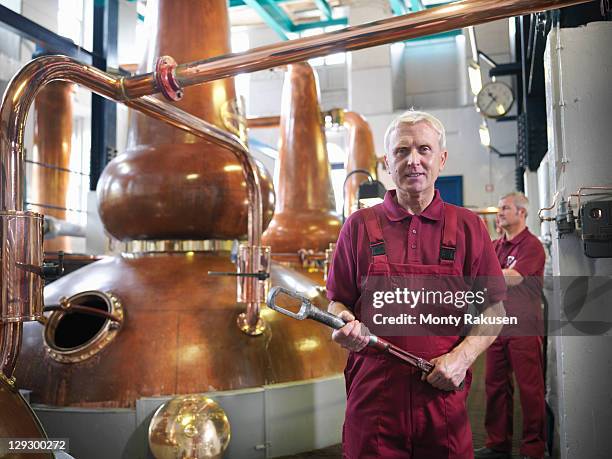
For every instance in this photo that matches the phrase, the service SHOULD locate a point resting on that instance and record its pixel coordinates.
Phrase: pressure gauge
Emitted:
(495, 99)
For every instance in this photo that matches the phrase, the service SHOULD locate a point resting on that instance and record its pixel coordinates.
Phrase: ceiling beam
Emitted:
(233, 3)
(398, 7)
(278, 20)
(324, 7)
(319, 24)
(273, 16)
(416, 5)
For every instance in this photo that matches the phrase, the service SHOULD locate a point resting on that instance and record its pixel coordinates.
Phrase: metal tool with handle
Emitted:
(310, 311)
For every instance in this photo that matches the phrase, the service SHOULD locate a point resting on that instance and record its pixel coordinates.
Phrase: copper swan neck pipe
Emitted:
(443, 18)
(36, 74)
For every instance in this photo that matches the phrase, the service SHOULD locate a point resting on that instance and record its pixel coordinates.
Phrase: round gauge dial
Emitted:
(495, 99)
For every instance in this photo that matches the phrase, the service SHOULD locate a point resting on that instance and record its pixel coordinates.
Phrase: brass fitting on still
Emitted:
(165, 78)
(253, 283)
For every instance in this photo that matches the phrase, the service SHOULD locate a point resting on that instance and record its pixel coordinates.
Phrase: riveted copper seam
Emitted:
(430, 21)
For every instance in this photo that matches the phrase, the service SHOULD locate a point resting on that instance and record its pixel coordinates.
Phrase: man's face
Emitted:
(415, 158)
(509, 215)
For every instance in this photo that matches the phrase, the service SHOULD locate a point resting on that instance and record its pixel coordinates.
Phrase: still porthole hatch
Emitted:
(90, 322)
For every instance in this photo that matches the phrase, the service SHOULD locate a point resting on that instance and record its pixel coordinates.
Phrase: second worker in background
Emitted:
(522, 259)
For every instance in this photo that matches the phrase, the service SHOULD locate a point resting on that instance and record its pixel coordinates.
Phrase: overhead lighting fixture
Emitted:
(485, 136)
(475, 77)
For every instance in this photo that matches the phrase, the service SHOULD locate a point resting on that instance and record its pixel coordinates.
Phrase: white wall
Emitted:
(433, 73)
(128, 43)
(42, 12)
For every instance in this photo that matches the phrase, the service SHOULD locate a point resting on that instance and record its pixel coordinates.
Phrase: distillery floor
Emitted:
(476, 411)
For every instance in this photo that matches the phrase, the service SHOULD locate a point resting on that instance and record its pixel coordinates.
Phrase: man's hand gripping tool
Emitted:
(310, 311)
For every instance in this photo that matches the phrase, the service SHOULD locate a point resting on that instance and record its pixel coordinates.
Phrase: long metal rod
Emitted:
(427, 22)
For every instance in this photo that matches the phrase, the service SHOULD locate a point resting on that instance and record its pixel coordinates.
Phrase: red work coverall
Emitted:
(390, 412)
(519, 354)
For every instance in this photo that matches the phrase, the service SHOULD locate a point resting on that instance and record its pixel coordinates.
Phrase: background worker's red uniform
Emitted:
(390, 412)
(521, 354)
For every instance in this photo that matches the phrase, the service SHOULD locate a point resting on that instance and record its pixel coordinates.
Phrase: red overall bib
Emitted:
(390, 412)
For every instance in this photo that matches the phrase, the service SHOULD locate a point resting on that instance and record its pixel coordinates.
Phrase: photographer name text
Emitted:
(433, 319)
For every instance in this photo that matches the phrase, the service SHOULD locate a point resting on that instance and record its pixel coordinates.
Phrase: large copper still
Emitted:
(138, 191)
(164, 326)
(361, 151)
(305, 221)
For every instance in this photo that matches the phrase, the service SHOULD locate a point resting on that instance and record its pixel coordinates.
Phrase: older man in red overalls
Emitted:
(392, 411)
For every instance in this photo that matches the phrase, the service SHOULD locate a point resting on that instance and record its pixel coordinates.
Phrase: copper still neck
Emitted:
(305, 217)
(51, 155)
(194, 29)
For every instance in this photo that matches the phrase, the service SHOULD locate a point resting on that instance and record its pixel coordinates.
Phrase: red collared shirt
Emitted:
(525, 299)
(409, 239)
(525, 249)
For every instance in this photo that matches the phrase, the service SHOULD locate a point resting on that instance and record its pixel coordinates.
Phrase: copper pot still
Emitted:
(361, 150)
(170, 184)
(305, 216)
(153, 323)
(305, 222)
